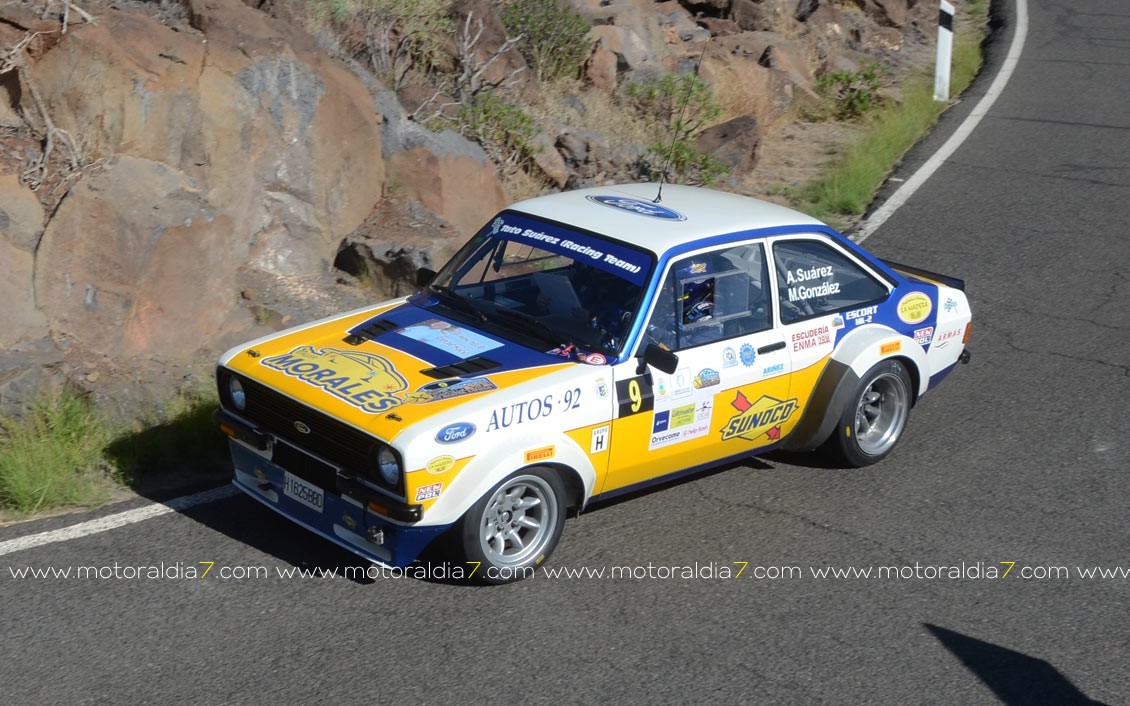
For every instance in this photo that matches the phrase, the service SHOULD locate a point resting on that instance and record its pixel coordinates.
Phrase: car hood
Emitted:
(385, 368)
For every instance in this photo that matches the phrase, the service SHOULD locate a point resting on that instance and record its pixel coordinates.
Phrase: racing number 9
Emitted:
(634, 396)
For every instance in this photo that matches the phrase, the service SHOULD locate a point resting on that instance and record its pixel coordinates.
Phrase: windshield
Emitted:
(574, 292)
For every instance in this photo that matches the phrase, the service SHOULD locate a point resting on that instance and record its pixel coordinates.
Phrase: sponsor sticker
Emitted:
(427, 492)
(748, 355)
(812, 338)
(364, 380)
(595, 359)
(922, 336)
(447, 389)
(915, 307)
(945, 337)
(729, 358)
(707, 377)
(539, 454)
(440, 464)
(760, 420)
(892, 347)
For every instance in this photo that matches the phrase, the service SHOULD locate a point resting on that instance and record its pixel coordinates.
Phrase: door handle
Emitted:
(771, 347)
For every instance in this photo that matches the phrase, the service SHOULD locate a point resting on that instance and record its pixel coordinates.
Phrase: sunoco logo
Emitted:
(643, 208)
(758, 420)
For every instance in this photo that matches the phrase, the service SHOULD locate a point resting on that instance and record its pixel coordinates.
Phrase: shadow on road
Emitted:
(1015, 678)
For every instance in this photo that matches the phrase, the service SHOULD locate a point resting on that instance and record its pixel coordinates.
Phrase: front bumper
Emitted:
(345, 517)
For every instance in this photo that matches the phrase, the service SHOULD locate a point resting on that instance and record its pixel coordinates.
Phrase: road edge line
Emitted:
(904, 192)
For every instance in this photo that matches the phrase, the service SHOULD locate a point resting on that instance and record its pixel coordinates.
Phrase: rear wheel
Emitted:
(875, 417)
(514, 527)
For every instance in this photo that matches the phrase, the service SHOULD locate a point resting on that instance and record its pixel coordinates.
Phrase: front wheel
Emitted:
(875, 417)
(514, 527)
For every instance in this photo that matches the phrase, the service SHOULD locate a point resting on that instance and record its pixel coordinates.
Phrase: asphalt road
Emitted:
(1021, 456)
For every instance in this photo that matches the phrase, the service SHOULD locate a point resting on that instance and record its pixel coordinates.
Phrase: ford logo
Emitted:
(643, 208)
(301, 428)
(455, 432)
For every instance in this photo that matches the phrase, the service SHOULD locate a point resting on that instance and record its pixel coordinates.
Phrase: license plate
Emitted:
(299, 490)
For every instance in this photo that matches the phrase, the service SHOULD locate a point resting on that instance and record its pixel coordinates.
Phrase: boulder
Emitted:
(443, 172)
(158, 280)
(21, 214)
(20, 319)
(887, 13)
(630, 50)
(735, 143)
(601, 69)
(274, 132)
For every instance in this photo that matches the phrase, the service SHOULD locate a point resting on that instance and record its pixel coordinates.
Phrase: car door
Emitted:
(824, 292)
(729, 393)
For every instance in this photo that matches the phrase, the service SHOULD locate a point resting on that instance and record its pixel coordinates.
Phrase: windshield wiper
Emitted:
(540, 329)
(448, 297)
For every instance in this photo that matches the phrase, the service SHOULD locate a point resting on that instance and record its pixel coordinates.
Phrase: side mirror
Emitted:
(424, 276)
(661, 359)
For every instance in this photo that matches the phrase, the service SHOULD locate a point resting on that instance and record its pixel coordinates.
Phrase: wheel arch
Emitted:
(507, 457)
(857, 353)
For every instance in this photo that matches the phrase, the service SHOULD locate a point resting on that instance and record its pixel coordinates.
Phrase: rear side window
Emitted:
(813, 279)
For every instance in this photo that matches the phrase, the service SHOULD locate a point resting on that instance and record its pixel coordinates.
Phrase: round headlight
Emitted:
(236, 394)
(390, 467)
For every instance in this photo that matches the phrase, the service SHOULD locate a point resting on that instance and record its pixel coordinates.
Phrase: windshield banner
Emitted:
(618, 259)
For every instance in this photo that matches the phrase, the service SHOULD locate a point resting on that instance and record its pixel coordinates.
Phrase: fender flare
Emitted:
(854, 356)
(489, 468)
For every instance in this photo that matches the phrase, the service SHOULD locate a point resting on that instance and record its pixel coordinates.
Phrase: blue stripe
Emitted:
(509, 355)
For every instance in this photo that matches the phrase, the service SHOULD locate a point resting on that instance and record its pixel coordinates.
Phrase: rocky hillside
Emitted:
(178, 176)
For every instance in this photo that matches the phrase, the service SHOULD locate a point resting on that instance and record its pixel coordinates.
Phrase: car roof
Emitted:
(685, 213)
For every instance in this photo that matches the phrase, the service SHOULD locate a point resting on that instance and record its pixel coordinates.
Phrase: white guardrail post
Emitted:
(945, 52)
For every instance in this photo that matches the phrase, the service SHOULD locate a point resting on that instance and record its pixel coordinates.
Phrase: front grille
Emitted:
(305, 466)
(328, 438)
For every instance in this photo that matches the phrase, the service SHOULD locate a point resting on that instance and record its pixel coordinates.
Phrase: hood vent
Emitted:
(470, 366)
(369, 331)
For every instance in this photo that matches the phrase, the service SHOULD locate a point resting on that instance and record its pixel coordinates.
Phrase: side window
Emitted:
(813, 278)
(711, 297)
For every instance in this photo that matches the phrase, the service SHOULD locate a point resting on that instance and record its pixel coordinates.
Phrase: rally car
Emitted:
(580, 346)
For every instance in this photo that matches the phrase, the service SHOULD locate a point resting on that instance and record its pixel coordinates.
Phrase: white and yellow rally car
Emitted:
(580, 346)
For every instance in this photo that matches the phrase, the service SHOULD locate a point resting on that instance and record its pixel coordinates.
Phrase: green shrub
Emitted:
(849, 94)
(53, 455)
(682, 103)
(555, 39)
(678, 107)
(504, 130)
(394, 36)
(684, 163)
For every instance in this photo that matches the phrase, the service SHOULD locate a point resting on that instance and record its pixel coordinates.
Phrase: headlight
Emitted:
(390, 467)
(236, 394)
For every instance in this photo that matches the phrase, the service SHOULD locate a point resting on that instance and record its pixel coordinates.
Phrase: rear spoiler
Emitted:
(926, 275)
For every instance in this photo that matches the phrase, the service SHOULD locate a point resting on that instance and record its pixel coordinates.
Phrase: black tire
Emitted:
(514, 527)
(875, 416)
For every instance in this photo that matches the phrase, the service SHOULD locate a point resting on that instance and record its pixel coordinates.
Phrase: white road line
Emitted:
(904, 192)
(109, 522)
